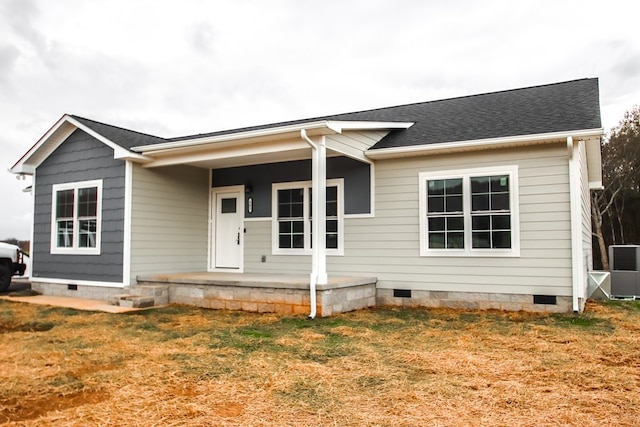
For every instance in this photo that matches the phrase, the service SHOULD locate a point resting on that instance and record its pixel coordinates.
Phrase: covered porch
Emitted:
(262, 293)
(265, 185)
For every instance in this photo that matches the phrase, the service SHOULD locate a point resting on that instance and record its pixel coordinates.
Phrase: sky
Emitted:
(174, 68)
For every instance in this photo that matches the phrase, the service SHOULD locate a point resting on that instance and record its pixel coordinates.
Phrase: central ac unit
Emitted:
(625, 270)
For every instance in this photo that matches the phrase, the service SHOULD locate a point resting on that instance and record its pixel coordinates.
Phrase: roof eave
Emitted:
(316, 128)
(61, 130)
(478, 144)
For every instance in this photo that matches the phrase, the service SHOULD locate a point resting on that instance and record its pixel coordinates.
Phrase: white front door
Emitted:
(228, 229)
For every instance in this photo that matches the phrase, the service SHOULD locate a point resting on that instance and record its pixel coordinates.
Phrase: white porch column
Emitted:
(320, 211)
(318, 274)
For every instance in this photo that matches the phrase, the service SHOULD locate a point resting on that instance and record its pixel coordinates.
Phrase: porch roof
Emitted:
(264, 145)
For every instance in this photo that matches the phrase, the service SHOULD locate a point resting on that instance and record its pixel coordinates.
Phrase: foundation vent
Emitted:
(402, 293)
(545, 299)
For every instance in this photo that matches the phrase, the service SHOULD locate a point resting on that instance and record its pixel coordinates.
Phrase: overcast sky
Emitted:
(172, 68)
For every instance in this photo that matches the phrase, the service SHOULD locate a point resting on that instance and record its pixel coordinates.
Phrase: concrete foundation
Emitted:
(261, 293)
(288, 294)
(103, 293)
(473, 301)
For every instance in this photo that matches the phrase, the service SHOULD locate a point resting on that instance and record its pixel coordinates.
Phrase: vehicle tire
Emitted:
(5, 276)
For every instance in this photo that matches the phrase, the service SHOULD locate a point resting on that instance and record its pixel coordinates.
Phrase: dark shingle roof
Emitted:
(123, 137)
(568, 106)
(558, 107)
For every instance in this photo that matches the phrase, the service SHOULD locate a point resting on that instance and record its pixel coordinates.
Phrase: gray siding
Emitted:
(387, 246)
(169, 220)
(80, 158)
(357, 182)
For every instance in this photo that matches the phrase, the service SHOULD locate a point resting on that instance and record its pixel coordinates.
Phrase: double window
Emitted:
(472, 212)
(293, 220)
(75, 227)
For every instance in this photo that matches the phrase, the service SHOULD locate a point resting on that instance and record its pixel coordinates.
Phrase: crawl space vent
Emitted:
(402, 293)
(544, 299)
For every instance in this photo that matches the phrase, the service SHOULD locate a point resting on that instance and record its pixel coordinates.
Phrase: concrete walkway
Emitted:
(75, 303)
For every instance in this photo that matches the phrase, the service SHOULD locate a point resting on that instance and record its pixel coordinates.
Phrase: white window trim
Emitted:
(75, 250)
(465, 174)
(275, 250)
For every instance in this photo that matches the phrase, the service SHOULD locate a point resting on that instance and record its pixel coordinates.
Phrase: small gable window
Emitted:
(75, 225)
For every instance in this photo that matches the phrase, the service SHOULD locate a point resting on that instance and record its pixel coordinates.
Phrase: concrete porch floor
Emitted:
(286, 281)
(258, 292)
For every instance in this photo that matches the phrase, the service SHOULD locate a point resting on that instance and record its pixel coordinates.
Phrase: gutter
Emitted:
(478, 144)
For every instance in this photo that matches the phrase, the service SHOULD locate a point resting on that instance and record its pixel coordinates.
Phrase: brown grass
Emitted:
(180, 366)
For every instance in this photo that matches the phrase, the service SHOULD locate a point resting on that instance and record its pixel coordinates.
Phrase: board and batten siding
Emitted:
(169, 220)
(387, 246)
(80, 157)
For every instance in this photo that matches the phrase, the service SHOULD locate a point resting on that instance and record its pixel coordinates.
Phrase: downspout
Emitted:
(576, 242)
(318, 184)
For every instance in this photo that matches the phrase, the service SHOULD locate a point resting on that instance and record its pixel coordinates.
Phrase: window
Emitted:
(473, 212)
(292, 218)
(75, 227)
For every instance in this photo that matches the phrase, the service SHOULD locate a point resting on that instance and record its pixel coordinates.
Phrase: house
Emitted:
(478, 201)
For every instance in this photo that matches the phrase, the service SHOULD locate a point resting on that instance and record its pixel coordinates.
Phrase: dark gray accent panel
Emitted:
(81, 158)
(357, 182)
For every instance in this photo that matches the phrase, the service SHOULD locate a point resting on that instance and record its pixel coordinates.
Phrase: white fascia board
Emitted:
(364, 125)
(317, 128)
(55, 136)
(476, 144)
(119, 152)
(184, 157)
(231, 137)
(22, 169)
(596, 185)
(58, 132)
(594, 162)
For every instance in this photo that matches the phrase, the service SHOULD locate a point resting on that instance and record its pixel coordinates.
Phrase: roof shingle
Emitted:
(567, 106)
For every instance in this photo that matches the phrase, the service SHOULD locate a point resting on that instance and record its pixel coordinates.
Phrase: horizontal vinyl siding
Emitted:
(80, 157)
(387, 246)
(544, 265)
(169, 220)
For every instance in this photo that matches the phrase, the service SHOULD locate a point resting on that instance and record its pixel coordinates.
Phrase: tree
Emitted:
(615, 208)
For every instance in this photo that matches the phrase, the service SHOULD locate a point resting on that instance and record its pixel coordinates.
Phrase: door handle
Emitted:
(238, 238)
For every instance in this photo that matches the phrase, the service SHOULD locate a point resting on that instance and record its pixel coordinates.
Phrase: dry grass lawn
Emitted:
(182, 366)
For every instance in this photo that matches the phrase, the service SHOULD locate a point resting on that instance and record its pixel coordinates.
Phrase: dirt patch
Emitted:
(25, 327)
(231, 410)
(27, 408)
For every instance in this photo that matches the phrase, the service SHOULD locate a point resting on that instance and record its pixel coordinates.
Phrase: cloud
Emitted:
(202, 38)
(21, 14)
(177, 68)
(8, 58)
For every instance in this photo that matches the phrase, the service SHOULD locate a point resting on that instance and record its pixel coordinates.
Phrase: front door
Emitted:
(228, 231)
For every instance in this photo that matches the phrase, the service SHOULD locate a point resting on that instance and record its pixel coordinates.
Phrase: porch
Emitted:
(262, 293)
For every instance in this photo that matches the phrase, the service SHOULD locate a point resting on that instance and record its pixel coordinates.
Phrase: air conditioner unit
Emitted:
(625, 270)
